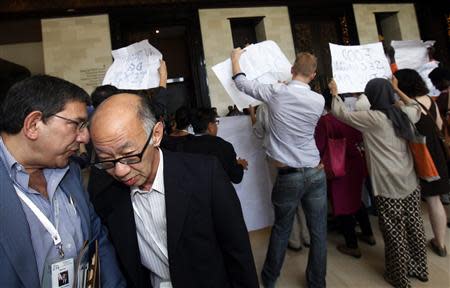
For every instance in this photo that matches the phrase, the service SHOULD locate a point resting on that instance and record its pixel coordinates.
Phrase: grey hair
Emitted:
(146, 115)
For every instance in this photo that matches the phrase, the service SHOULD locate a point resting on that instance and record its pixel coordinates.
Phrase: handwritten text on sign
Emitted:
(354, 66)
(134, 67)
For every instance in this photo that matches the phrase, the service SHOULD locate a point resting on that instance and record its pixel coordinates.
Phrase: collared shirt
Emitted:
(151, 226)
(294, 111)
(57, 208)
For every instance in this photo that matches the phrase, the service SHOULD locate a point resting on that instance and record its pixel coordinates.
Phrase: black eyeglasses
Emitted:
(130, 159)
(79, 124)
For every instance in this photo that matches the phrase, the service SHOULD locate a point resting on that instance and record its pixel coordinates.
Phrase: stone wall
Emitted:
(77, 49)
(218, 42)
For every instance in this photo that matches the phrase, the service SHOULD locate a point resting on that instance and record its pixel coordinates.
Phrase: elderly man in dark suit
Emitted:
(45, 214)
(179, 223)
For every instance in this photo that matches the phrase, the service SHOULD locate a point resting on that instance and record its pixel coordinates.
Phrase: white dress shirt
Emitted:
(294, 111)
(151, 227)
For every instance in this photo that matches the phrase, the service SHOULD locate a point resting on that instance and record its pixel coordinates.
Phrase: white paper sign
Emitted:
(256, 187)
(134, 67)
(264, 62)
(354, 66)
(424, 71)
(410, 53)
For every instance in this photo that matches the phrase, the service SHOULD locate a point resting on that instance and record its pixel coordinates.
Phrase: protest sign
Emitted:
(255, 190)
(134, 67)
(354, 66)
(410, 53)
(263, 62)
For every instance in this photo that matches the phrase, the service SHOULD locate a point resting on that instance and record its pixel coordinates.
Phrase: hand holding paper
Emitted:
(333, 88)
(162, 70)
(264, 62)
(134, 67)
(354, 66)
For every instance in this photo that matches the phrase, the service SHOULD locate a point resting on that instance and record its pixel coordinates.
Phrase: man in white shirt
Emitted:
(294, 111)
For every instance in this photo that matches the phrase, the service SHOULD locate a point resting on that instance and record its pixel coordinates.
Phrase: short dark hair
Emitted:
(182, 117)
(200, 118)
(411, 83)
(43, 93)
(101, 93)
(439, 74)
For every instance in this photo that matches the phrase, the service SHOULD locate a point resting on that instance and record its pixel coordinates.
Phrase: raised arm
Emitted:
(405, 99)
(162, 74)
(235, 56)
(252, 88)
(360, 120)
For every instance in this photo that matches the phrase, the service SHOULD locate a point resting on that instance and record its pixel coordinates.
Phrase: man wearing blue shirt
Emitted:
(45, 214)
(294, 111)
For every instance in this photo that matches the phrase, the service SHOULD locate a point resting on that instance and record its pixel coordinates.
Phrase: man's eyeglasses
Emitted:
(217, 122)
(79, 124)
(130, 159)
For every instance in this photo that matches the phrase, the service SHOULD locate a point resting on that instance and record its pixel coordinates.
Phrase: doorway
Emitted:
(176, 35)
(313, 28)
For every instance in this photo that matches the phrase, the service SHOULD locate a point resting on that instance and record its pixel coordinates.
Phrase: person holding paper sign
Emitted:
(409, 83)
(45, 214)
(294, 111)
(386, 131)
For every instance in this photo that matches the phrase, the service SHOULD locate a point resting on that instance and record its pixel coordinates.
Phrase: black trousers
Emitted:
(347, 224)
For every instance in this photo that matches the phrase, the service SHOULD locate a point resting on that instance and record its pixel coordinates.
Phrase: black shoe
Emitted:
(440, 251)
(448, 224)
(295, 249)
(354, 252)
(368, 239)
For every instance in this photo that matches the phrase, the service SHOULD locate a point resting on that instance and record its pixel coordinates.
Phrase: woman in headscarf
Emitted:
(410, 83)
(386, 131)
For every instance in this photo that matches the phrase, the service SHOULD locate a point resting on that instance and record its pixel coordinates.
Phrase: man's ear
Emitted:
(210, 128)
(31, 125)
(158, 133)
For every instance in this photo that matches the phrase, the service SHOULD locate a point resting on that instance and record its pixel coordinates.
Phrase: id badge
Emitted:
(165, 285)
(60, 274)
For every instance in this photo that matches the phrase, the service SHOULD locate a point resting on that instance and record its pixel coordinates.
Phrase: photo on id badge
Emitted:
(62, 274)
(63, 278)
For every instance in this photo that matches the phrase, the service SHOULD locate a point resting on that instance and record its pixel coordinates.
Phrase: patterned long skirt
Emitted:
(401, 224)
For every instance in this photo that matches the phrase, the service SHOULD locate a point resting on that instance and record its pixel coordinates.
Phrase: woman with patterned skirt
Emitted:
(386, 131)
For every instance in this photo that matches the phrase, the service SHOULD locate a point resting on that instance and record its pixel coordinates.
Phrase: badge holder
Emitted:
(87, 268)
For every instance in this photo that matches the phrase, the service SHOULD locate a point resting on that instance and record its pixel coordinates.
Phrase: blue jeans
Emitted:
(307, 185)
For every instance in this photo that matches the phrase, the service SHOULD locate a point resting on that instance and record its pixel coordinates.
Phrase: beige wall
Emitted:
(77, 49)
(29, 55)
(367, 27)
(218, 42)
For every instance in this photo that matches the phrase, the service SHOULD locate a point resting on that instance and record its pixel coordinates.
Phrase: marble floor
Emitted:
(345, 271)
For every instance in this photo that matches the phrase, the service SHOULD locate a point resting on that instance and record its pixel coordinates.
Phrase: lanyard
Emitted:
(43, 219)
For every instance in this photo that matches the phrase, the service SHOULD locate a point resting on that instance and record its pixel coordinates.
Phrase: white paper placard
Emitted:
(354, 66)
(264, 62)
(134, 67)
(410, 53)
(255, 190)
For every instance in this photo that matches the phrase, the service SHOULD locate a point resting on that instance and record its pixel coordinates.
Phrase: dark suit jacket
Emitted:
(17, 261)
(207, 238)
(216, 146)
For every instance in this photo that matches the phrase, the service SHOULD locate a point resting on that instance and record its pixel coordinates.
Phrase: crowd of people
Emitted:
(161, 205)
